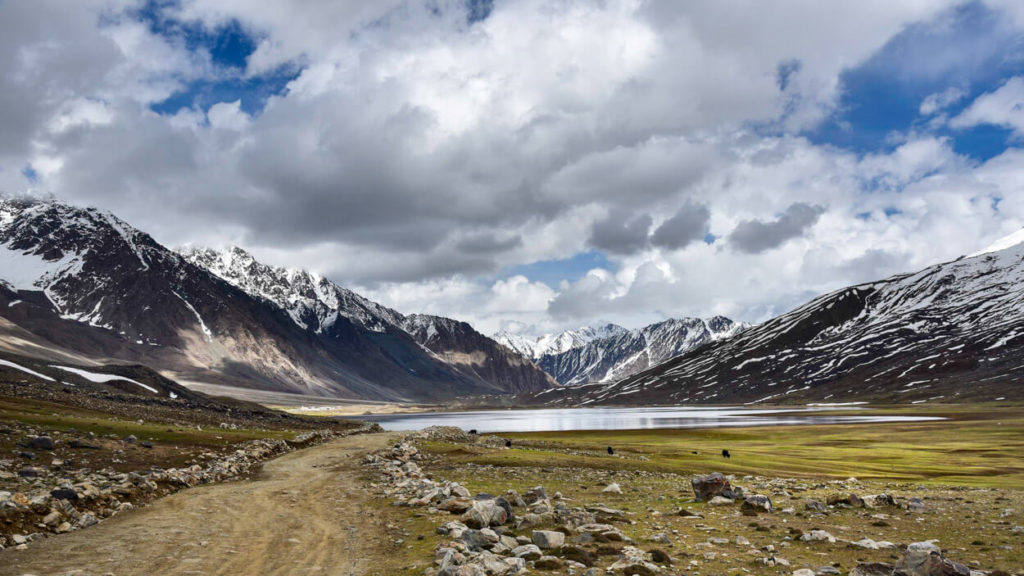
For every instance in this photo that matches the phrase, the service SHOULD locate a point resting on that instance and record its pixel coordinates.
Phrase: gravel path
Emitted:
(306, 513)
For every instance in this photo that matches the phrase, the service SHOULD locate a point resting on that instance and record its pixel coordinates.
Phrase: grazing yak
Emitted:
(508, 443)
(725, 454)
(610, 451)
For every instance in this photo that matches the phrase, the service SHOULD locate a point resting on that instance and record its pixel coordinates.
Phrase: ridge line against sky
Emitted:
(533, 165)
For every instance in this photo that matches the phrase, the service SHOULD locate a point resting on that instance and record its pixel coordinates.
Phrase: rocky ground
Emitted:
(475, 520)
(73, 457)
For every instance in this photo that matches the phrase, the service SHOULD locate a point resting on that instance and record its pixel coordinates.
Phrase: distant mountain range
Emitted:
(77, 281)
(951, 332)
(81, 286)
(609, 353)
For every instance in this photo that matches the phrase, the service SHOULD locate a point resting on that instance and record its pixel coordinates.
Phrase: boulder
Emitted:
(880, 501)
(815, 506)
(925, 559)
(721, 501)
(456, 505)
(715, 484)
(485, 513)
(753, 505)
(480, 539)
(548, 539)
(818, 536)
(41, 443)
(534, 494)
(851, 500)
(493, 564)
(612, 488)
(804, 572)
(527, 552)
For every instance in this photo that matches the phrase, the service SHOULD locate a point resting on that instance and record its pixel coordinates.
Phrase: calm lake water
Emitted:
(549, 420)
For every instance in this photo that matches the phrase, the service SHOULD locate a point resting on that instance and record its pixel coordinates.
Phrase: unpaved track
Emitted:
(306, 513)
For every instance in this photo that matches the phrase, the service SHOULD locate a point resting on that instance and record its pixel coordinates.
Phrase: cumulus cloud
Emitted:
(941, 100)
(687, 225)
(1003, 107)
(753, 236)
(419, 155)
(619, 235)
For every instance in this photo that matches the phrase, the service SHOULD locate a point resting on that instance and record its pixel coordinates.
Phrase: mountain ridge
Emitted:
(84, 281)
(951, 331)
(608, 352)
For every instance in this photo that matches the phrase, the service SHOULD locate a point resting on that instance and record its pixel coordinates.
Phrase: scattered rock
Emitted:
(818, 536)
(41, 443)
(612, 488)
(925, 559)
(753, 505)
(548, 539)
(715, 484)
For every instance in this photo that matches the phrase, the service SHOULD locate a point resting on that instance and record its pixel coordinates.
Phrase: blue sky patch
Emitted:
(883, 96)
(30, 174)
(229, 47)
(552, 272)
(477, 10)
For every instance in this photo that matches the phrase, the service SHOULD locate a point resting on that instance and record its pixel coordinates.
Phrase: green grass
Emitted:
(974, 448)
(58, 417)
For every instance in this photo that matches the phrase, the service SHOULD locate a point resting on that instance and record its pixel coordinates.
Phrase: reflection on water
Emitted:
(548, 420)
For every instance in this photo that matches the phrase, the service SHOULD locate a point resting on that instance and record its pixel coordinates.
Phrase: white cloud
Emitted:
(1003, 107)
(941, 100)
(416, 156)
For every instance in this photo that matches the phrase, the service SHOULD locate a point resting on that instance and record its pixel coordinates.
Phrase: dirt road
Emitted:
(306, 513)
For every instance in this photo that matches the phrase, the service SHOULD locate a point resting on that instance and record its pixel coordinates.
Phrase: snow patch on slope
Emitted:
(26, 370)
(103, 378)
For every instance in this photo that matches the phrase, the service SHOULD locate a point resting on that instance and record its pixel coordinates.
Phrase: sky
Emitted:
(533, 165)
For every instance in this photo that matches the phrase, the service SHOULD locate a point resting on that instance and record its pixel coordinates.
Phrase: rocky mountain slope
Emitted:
(953, 331)
(81, 281)
(315, 303)
(458, 344)
(611, 352)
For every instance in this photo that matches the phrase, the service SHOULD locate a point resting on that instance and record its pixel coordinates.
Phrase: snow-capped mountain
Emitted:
(609, 353)
(537, 347)
(83, 281)
(952, 331)
(316, 303)
(458, 344)
(311, 300)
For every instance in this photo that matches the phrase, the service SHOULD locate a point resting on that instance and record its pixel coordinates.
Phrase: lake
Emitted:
(564, 419)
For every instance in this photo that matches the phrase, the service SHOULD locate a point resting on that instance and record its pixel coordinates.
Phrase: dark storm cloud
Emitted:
(487, 243)
(47, 51)
(754, 236)
(620, 234)
(689, 224)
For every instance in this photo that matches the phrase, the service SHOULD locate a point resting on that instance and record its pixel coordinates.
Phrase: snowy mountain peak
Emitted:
(1008, 241)
(556, 343)
(608, 353)
(46, 246)
(312, 301)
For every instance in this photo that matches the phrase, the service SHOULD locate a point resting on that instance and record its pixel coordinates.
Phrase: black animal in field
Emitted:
(725, 454)
(508, 443)
(610, 451)
(473, 431)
